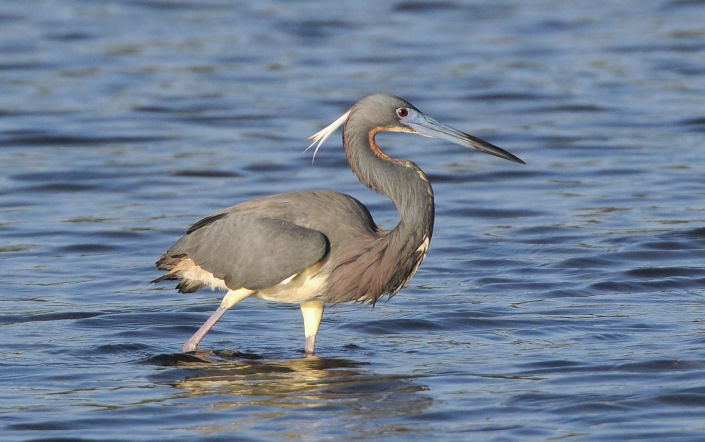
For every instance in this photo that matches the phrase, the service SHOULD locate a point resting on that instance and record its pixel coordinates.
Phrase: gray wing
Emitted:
(249, 251)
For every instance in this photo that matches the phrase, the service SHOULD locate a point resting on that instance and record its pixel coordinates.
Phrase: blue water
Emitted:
(560, 299)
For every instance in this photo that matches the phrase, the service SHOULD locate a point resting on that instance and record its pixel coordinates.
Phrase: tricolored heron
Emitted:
(321, 247)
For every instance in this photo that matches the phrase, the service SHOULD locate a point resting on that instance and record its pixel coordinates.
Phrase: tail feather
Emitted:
(170, 263)
(189, 286)
(167, 277)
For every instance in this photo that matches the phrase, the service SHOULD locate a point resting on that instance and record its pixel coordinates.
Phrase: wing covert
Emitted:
(251, 252)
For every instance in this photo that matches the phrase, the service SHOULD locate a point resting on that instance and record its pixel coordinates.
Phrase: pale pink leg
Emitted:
(194, 340)
(229, 300)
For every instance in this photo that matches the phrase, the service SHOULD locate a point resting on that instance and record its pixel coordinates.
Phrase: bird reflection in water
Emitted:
(289, 386)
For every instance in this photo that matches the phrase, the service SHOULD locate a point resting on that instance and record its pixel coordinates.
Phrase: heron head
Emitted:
(405, 117)
(394, 114)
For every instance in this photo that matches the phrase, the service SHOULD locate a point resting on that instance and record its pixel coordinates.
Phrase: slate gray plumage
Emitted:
(322, 247)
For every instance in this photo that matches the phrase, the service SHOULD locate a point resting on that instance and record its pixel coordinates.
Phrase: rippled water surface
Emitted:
(560, 299)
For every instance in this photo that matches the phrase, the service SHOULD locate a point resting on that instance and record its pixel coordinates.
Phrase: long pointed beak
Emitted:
(429, 127)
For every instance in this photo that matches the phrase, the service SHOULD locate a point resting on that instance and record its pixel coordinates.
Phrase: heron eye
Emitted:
(402, 112)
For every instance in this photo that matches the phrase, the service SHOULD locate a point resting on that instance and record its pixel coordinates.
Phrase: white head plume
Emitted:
(322, 135)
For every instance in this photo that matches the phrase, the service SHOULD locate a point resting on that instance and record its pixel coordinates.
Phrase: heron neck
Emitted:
(401, 180)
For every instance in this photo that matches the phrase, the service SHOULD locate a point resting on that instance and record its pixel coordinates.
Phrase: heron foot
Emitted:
(312, 312)
(190, 345)
(310, 344)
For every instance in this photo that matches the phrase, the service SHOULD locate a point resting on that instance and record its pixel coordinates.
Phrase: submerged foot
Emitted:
(310, 345)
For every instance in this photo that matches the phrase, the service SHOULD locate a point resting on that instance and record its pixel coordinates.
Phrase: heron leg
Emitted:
(230, 299)
(312, 312)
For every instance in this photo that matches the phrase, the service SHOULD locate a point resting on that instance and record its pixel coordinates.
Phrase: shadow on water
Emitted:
(307, 388)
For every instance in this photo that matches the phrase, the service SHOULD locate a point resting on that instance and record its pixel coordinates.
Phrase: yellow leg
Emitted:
(230, 299)
(312, 312)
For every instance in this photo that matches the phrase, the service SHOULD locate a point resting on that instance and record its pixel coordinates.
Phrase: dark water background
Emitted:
(561, 299)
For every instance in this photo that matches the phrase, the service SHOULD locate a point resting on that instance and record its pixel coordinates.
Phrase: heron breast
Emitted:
(297, 288)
